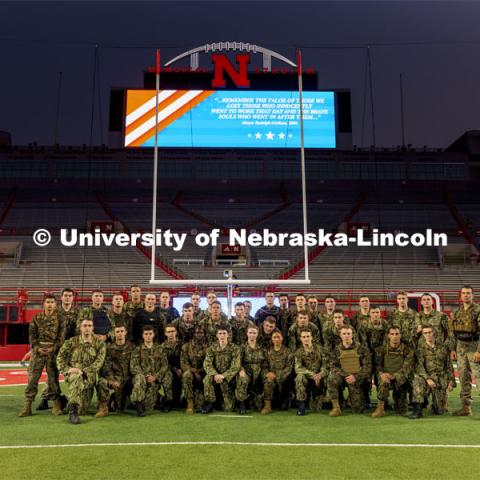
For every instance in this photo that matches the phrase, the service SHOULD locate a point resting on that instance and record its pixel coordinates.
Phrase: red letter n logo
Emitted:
(222, 64)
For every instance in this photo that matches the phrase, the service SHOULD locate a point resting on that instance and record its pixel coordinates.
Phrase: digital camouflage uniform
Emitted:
(281, 364)
(131, 308)
(308, 363)
(283, 322)
(210, 328)
(191, 363)
(264, 340)
(344, 361)
(359, 319)
(439, 323)
(86, 356)
(398, 362)
(198, 315)
(69, 321)
(252, 361)
(239, 331)
(405, 321)
(226, 362)
(45, 331)
(150, 361)
(119, 320)
(173, 351)
(116, 368)
(465, 327)
(433, 363)
(184, 329)
(326, 321)
(331, 337)
(294, 332)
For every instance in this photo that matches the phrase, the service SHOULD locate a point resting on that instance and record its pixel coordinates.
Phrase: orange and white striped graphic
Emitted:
(140, 111)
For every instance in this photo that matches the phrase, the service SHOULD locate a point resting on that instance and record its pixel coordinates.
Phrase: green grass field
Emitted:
(243, 457)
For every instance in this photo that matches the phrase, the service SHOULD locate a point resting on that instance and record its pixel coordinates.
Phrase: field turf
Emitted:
(255, 447)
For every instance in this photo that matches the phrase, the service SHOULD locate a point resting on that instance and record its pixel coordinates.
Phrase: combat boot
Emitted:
(465, 411)
(267, 408)
(207, 407)
(57, 408)
(27, 409)
(141, 409)
(380, 410)
(301, 409)
(43, 405)
(73, 417)
(102, 410)
(416, 412)
(189, 410)
(167, 406)
(335, 411)
(242, 409)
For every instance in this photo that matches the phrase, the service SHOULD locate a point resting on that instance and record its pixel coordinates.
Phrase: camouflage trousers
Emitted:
(399, 393)
(248, 385)
(270, 387)
(80, 389)
(304, 385)
(191, 384)
(143, 391)
(335, 383)
(466, 366)
(106, 392)
(226, 389)
(422, 390)
(35, 369)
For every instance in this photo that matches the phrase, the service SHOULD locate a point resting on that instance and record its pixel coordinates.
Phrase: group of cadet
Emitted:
(149, 356)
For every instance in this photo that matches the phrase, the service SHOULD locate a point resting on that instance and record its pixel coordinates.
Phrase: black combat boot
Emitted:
(43, 405)
(141, 409)
(301, 409)
(242, 409)
(207, 407)
(416, 412)
(73, 414)
(167, 406)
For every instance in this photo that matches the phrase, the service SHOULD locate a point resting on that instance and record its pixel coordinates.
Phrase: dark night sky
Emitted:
(441, 80)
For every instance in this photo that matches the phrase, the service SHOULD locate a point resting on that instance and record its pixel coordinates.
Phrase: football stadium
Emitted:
(229, 287)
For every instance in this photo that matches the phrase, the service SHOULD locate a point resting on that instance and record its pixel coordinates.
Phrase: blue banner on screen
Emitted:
(243, 119)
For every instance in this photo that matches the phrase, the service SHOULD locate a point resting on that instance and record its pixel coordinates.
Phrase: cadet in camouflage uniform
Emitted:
(185, 324)
(314, 311)
(433, 373)
(283, 315)
(302, 323)
(150, 370)
(331, 332)
(197, 311)
(326, 317)
(46, 332)
(265, 335)
(80, 359)
(465, 327)
(222, 364)
(361, 317)
(300, 305)
(240, 324)
(403, 317)
(350, 366)
(173, 349)
(438, 321)
(207, 313)
(118, 316)
(102, 325)
(115, 374)
(191, 363)
(135, 303)
(310, 372)
(394, 363)
(278, 373)
(250, 377)
(213, 320)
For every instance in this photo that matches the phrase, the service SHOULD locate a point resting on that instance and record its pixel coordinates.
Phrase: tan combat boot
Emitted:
(267, 408)
(380, 410)
(102, 410)
(335, 411)
(189, 410)
(57, 408)
(27, 409)
(465, 411)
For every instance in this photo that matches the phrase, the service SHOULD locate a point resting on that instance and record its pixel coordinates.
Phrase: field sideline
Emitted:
(279, 446)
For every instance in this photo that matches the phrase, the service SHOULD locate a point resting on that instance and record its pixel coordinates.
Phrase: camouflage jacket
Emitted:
(131, 308)
(225, 361)
(405, 352)
(192, 357)
(439, 322)
(149, 361)
(69, 320)
(117, 361)
(373, 335)
(239, 331)
(185, 330)
(310, 363)
(252, 360)
(405, 321)
(434, 362)
(358, 319)
(294, 331)
(279, 362)
(77, 353)
(173, 352)
(46, 329)
(211, 329)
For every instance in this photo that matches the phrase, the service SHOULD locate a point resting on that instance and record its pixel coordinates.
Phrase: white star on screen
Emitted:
(258, 135)
(281, 136)
(270, 135)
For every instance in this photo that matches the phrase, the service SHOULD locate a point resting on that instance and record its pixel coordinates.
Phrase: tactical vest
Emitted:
(464, 321)
(350, 361)
(393, 361)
